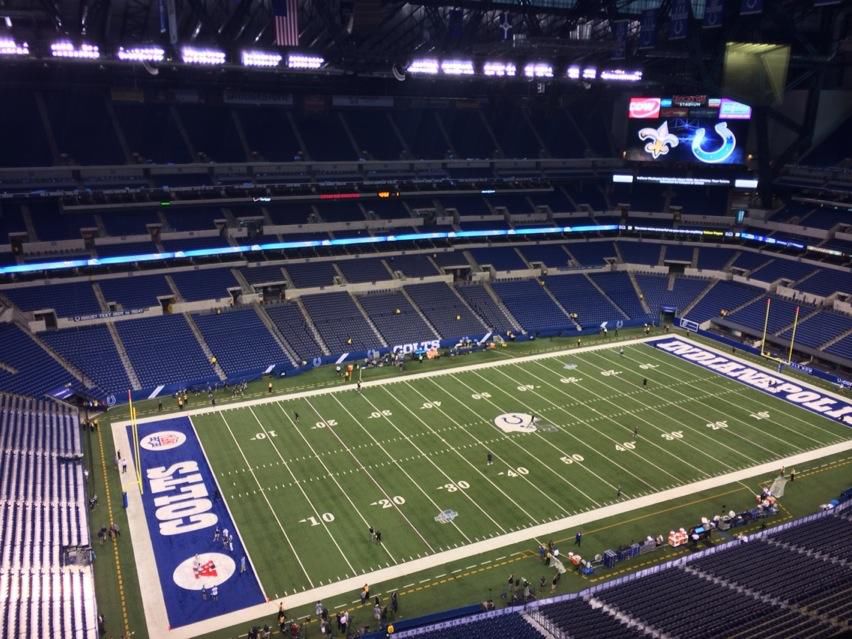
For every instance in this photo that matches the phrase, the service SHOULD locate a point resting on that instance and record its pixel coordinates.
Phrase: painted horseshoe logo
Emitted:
(729, 143)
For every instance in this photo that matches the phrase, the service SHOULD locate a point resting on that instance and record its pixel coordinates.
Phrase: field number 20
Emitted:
(399, 500)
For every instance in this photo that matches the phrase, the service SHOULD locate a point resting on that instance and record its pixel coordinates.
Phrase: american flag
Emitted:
(286, 16)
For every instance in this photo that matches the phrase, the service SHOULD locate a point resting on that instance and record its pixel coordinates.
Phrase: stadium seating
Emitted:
(450, 259)
(364, 124)
(828, 536)
(578, 295)
(782, 313)
(779, 268)
(204, 284)
(311, 274)
(27, 144)
(43, 504)
(263, 275)
(325, 137)
(657, 295)
(531, 306)
(618, 287)
(67, 299)
(339, 322)
(502, 258)
(415, 265)
(364, 270)
(512, 625)
(420, 129)
(715, 259)
(397, 328)
(842, 348)
(36, 371)
(239, 340)
(551, 255)
(818, 329)
(579, 620)
(91, 349)
(199, 120)
(268, 133)
(135, 292)
(163, 350)
(639, 252)
(138, 120)
(679, 253)
(445, 311)
(292, 325)
(751, 261)
(826, 282)
(126, 248)
(591, 253)
(724, 295)
(484, 306)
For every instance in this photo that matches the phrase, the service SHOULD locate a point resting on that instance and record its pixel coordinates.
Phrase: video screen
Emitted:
(692, 128)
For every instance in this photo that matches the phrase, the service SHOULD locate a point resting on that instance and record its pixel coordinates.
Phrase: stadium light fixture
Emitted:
(66, 49)
(425, 66)
(260, 59)
(620, 75)
(141, 54)
(499, 69)
(301, 61)
(9, 47)
(194, 55)
(573, 72)
(457, 67)
(590, 73)
(538, 70)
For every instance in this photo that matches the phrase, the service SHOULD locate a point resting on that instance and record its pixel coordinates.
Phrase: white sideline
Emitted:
(153, 601)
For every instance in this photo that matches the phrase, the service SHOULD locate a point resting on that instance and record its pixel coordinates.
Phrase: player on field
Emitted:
(490, 458)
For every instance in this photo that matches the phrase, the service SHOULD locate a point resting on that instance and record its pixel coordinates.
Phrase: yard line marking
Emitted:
(603, 415)
(652, 425)
(378, 485)
(756, 399)
(565, 431)
(463, 458)
(408, 585)
(508, 437)
(304, 494)
(481, 442)
(224, 500)
(266, 499)
(343, 492)
(681, 407)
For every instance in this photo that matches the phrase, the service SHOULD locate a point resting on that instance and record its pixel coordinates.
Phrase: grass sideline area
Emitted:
(501, 500)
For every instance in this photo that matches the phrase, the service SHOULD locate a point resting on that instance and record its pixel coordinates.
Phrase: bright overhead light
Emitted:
(620, 75)
(538, 70)
(301, 61)
(9, 47)
(426, 66)
(574, 72)
(260, 59)
(499, 69)
(194, 55)
(457, 67)
(590, 73)
(141, 54)
(65, 49)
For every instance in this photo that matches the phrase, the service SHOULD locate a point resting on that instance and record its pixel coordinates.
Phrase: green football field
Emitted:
(305, 477)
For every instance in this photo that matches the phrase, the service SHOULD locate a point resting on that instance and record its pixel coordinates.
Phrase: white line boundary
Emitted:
(143, 553)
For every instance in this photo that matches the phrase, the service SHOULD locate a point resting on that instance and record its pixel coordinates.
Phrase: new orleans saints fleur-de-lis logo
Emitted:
(658, 141)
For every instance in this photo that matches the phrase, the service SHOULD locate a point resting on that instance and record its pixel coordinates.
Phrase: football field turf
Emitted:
(409, 456)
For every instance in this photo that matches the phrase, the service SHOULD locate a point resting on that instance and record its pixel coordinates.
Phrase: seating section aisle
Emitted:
(292, 325)
(620, 290)
(163, 350)
(578, 295)
(819, 329)
(445, 310)
(484, 306)
(657, 295)
(43, 503)
(724, 295)
(36, 372)
(530, 304)
(402, 327)
(91, 349)
(239, 340)
(339, 322)
(781, 313)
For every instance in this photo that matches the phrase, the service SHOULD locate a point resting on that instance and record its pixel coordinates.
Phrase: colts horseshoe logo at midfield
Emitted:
(729, 143)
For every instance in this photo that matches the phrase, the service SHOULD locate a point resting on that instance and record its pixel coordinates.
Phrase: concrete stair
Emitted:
(608, 298)
(464, 303)
(700, 296)
(369, 321)
(834, 340)
(639, 292)
(204, 346)
(124, 357)
(503, 308)
(276, 334)
(75, 372)
(420, 313)
(312, 327)
(559, 305)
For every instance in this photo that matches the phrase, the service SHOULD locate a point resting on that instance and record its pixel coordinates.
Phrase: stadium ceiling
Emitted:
(371, 35)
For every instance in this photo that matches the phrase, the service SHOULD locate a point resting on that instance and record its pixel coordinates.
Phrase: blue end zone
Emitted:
(808, 397)
(183, 509)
